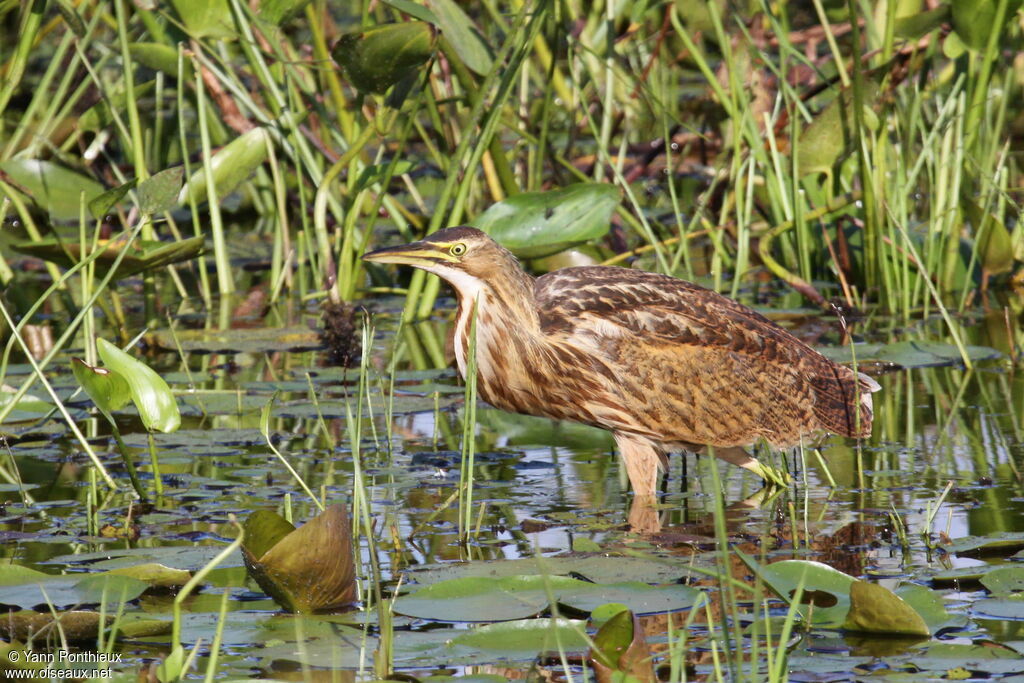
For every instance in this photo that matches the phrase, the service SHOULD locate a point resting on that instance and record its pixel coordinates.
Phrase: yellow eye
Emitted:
(457, 249)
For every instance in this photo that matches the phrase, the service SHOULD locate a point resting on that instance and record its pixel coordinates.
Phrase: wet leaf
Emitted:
(909, 354)
(999, 543)
(378, 57)
(463, 36)
(1004, 581)
(974, 20)
(526, 638)
(159, 192)
(876, 609)
(231, 165)
(538, 224)
(150, 393)
(992, 659)
(53, 187)
(281, 11)
(101, 204)
(143, 255)
(620, 650)
(28, 588)
(108, 390)
(827, 591)
(1011, 607)
(478, 599)
(109, 587)
(932, 608)
(310, 569)
(206, 18)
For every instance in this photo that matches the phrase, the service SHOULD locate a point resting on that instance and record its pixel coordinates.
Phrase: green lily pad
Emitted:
(1000, 543)
(909, 354)
(28, 588)
(1004, 581)
(1011, 607)
(825, 599)
(478, 599)
(524, 639)
(538, 224)
(931, 607)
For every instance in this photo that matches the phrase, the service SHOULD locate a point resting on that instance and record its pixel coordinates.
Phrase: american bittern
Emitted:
(662, 363)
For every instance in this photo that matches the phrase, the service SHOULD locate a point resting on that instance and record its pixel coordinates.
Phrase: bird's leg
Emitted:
(643, 464)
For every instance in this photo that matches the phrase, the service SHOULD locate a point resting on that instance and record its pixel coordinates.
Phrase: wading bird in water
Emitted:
(662, 363)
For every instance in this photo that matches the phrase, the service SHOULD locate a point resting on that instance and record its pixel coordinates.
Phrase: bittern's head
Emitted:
(464, 256)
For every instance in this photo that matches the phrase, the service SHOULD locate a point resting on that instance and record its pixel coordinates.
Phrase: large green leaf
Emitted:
(876, 609)
(912, 353)
(378, 57)
(484, 598)
(150, 393)
(280, 11)
(525, 639)
(53, 187)
(28, 588)
(462, 35)
(825, 596)
(538, 224)
(231, 165)
(308, 569)
(108, 390)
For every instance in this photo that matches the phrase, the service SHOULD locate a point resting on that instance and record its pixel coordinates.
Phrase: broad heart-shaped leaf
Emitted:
(107, 389)
(159, 192)
(825, 599)
(525, 639)
(231, 165)
(538, 224)
(310, 569)
(280, 11)
(53, 187)
(484, 598)
(462, 35)
(150, 393)
(206, 18)
(876, 609)
(823, 142)
(143, 255)
(973, 20)
(378, 57)
(28, 588)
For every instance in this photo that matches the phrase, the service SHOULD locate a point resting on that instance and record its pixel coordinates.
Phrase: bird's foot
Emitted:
(772, 476)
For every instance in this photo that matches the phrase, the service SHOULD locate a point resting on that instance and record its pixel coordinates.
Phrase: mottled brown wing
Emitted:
(717, 353)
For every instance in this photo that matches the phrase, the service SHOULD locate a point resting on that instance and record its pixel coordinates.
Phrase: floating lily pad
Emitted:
(28, 588)
(825, 599)
(478, 599)
(931, 607)
(909, 354)
(1001, 543)
(1000, 608)
(142, 255)
(524, 639)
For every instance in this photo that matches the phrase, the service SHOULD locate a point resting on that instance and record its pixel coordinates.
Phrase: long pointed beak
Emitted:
(413, 254)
